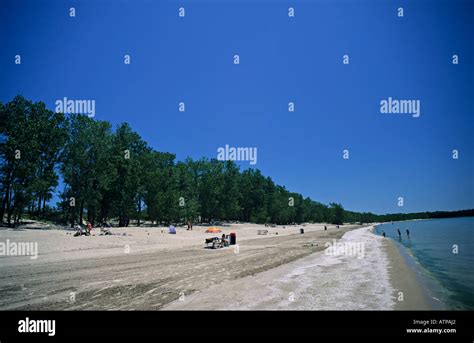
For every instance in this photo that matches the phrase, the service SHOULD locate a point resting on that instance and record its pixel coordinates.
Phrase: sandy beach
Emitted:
(323, 282)
(404, 279)
(145, 268)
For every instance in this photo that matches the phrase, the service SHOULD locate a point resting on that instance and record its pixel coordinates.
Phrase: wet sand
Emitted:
(404, 279)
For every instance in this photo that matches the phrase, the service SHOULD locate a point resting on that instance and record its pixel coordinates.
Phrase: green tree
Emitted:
(30, 141)
(86, 169)
(337, 213)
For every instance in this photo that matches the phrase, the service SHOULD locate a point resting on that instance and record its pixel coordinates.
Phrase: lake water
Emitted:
(443, 252)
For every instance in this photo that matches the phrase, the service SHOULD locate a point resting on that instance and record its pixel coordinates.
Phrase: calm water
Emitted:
(449, 276)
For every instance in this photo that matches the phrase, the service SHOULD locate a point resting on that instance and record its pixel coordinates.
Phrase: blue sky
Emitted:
(282, 59)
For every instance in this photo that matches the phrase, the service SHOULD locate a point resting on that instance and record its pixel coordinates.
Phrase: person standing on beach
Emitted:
(383, 233)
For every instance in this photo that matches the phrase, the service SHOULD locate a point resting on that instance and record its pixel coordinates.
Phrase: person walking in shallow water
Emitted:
(408, 233)
(383, 233)
(399, 233)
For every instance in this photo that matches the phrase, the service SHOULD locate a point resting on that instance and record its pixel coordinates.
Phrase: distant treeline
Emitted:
(372, 218)
(114, 175)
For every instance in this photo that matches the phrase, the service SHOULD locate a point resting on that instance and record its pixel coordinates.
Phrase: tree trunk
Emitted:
(91, 216)
(9, 209)
(18, 217)
(139, 211)
(39, 206)
(6, 199)
(4, 204)
(81, 212)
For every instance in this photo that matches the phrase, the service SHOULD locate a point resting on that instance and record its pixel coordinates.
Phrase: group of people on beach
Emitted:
(83, 232)
(86, 231)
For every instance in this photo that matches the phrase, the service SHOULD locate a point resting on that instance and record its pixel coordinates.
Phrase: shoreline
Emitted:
(407, 274)
(284, 270)
(405, 279)
(343, 290)
(431, 253)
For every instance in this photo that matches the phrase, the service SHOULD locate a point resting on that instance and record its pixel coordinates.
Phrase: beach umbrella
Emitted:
(213, 230)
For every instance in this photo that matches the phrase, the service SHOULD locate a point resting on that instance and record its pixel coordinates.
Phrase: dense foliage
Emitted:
(114, 175)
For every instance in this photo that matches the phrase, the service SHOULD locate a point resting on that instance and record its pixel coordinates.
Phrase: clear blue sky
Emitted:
(281, 59)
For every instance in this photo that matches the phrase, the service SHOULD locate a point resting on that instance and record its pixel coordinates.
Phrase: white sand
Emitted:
(60, 245)
(158, 269)
(316, 282)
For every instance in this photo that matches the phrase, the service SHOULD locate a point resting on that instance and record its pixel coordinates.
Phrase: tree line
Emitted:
(114, 175)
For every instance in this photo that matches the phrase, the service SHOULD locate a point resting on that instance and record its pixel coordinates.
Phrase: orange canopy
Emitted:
(213, 230)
